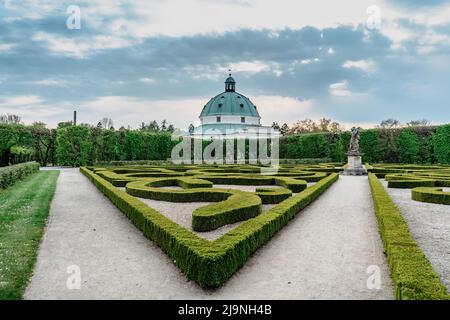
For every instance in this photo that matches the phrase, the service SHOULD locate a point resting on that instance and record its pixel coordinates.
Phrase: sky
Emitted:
(357, 62)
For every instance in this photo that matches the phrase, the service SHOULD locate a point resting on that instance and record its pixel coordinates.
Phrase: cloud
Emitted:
(18, 101)
(5, 47)
(80, 48)
(162, 53)
(339, 89)
(282, 109)
(367, 66)
(147, 80)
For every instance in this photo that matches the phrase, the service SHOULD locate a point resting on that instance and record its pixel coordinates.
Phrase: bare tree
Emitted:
(418, 123)
(390, 124)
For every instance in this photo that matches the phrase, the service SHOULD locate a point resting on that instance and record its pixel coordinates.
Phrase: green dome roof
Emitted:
(230, 102)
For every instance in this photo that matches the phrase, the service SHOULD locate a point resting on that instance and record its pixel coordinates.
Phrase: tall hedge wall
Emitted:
(404, 145)
(82, 145)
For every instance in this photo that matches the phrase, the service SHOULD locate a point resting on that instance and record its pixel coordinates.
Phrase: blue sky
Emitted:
(141, 60)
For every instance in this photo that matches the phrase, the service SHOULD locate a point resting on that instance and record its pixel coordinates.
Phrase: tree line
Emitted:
(75, 145)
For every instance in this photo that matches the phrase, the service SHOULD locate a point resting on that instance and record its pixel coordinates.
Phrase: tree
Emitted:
(304, 126)
(153, 126)
(390, 124)
(43, 142)
(10, 135)
(310, 126)
(389, 132)
(275, 126)
(418, 123)
(408, 146)
(163, 125)
(441, 144)
(65, 124)
(284, 130)
(73, 145)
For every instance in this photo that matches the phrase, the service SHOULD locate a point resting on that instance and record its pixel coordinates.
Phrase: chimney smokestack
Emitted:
(75, 118)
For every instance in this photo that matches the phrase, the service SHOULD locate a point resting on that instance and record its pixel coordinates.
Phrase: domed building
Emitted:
(229, 112)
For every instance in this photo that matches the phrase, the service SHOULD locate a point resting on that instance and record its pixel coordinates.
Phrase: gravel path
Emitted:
(430, 226)
(322, 253)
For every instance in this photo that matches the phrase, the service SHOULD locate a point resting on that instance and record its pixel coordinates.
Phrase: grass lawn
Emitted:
(24, 209)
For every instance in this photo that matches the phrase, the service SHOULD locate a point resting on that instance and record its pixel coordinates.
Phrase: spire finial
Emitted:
(229, 72)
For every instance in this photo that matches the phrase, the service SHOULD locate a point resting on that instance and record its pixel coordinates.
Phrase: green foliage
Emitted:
(370, 145)
(209, 263)
(441, 144)
(411, 272)
(10, 175)
(415, 144)
(408, 146)
(313, 146)
(73, 145)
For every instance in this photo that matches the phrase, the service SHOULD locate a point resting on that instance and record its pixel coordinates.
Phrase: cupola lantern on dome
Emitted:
(230, 84)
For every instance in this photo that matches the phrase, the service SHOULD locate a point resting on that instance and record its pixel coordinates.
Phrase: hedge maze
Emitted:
(426, 182)
(211, 263)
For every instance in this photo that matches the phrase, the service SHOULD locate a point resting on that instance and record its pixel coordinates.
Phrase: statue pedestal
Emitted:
(354, 165)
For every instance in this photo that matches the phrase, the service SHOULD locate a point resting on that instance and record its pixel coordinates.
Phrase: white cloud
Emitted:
(18, 101)
(367, 66)
(198, 16)
(126, 110)
(252, 67)
(50, 82)
(147, 80)
(80, 47)
(282, 109)
(215, 72)
(5, 47)
(33, 108)
(339, 89)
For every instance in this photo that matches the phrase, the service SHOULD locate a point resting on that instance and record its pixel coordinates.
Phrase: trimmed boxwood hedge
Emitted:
(232, 205)
(9, 175)
(273, 195)
(411, 272)
(209, 263)
(432, 195)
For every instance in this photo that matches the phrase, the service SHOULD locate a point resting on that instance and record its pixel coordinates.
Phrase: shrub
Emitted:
(408, 146)
(73, 146)
(432, 195)
(273, 195)
(411, 272)
(9, 175)
(441, 144)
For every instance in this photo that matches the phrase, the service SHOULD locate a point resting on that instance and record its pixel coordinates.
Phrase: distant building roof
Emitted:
(230, 102)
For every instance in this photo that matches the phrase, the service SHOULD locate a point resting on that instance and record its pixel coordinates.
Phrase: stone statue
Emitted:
(354, 142)
(354, 164)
